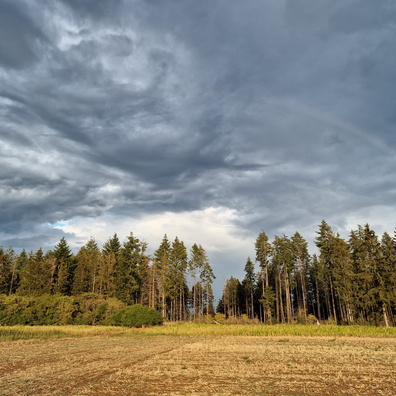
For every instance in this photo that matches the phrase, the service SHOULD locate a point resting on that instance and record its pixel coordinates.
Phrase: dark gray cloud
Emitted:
(278, 110)
(20, 37)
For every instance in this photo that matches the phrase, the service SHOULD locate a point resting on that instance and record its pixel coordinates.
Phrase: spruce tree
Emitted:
(282, 266)
(130, 271)
(207, 277)
(64, 268)
(6, 270)
(301, 259)
(248, 284)
(176, 278)
(87, 268)
(160, 275)
(36, 276)
(112, 245)
(325, 243)
(387, 277)
(263, 253)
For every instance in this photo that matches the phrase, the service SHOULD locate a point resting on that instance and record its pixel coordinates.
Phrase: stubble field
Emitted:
(125, 362)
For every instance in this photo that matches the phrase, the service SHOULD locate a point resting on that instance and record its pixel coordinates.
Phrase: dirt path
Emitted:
(166, 365)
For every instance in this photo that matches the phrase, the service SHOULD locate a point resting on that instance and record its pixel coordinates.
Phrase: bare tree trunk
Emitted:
(333, 300)
(318, 308)
(251, 303)
(12, 276)
(281, 309)
(304, 293)
(277, 299)
(289, 313)
(385, 315)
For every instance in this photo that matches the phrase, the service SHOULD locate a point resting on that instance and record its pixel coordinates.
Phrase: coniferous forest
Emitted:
(346, 282)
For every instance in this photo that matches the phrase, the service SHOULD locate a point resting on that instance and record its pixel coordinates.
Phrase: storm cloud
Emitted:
(261, 115)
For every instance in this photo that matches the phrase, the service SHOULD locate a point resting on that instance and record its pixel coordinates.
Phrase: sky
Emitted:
(209, 120)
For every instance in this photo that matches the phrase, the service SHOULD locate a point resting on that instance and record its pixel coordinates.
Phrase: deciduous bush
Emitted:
(136, 316)
(87, 309)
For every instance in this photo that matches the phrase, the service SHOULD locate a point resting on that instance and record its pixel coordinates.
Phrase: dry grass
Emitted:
(8, 333)
(269, 330)
(99, 364)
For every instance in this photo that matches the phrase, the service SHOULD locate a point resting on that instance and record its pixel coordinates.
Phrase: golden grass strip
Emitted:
(187, 329)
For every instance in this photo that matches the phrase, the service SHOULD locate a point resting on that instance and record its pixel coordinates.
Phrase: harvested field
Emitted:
(204, 365)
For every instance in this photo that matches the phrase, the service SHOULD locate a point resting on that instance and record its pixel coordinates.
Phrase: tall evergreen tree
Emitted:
(199, 268)
(64, 268)
(366, 256)
(36, 276)
(160, 275)
(232, 297)
(207, 277)
(301, 259)
(105, 278)
(6, 270)
(130, 271)
(387, 278)
(248, 285)
(263, 253)
(325, 243)
(283, 266)
(176, 278)
(343, 279)
(87, 268)
(112, 245)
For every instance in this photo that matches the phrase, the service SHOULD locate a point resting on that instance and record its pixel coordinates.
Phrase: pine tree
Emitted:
(263, 253)
(248, 284)
(160, 275)
(325, 243)
(343, 279)
(366, 258)
(316, 275)
(176, 279)
(64, 268)
(232, 297)
(36, 276)
(387, 277)
(105, 278)
(18, 265)
(283, 266)
(112, 245)
(6, 270)
(194, 264)
(207, 278)
(202, 294)
(130, 271)
(301, 259)
(87, 268)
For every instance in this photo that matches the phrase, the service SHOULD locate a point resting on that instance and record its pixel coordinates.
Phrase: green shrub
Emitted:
(85, 309)
(67, 310)
(309, 319)
(220, 318)
(95, 309)
(136, 316)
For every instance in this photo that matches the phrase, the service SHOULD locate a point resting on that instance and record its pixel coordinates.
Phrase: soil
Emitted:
(210, 365)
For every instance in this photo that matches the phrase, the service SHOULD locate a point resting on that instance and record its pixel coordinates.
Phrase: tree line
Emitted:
(347, 282)
(123, 271)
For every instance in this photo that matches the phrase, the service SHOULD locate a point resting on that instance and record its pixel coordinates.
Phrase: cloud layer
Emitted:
(280, 113)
